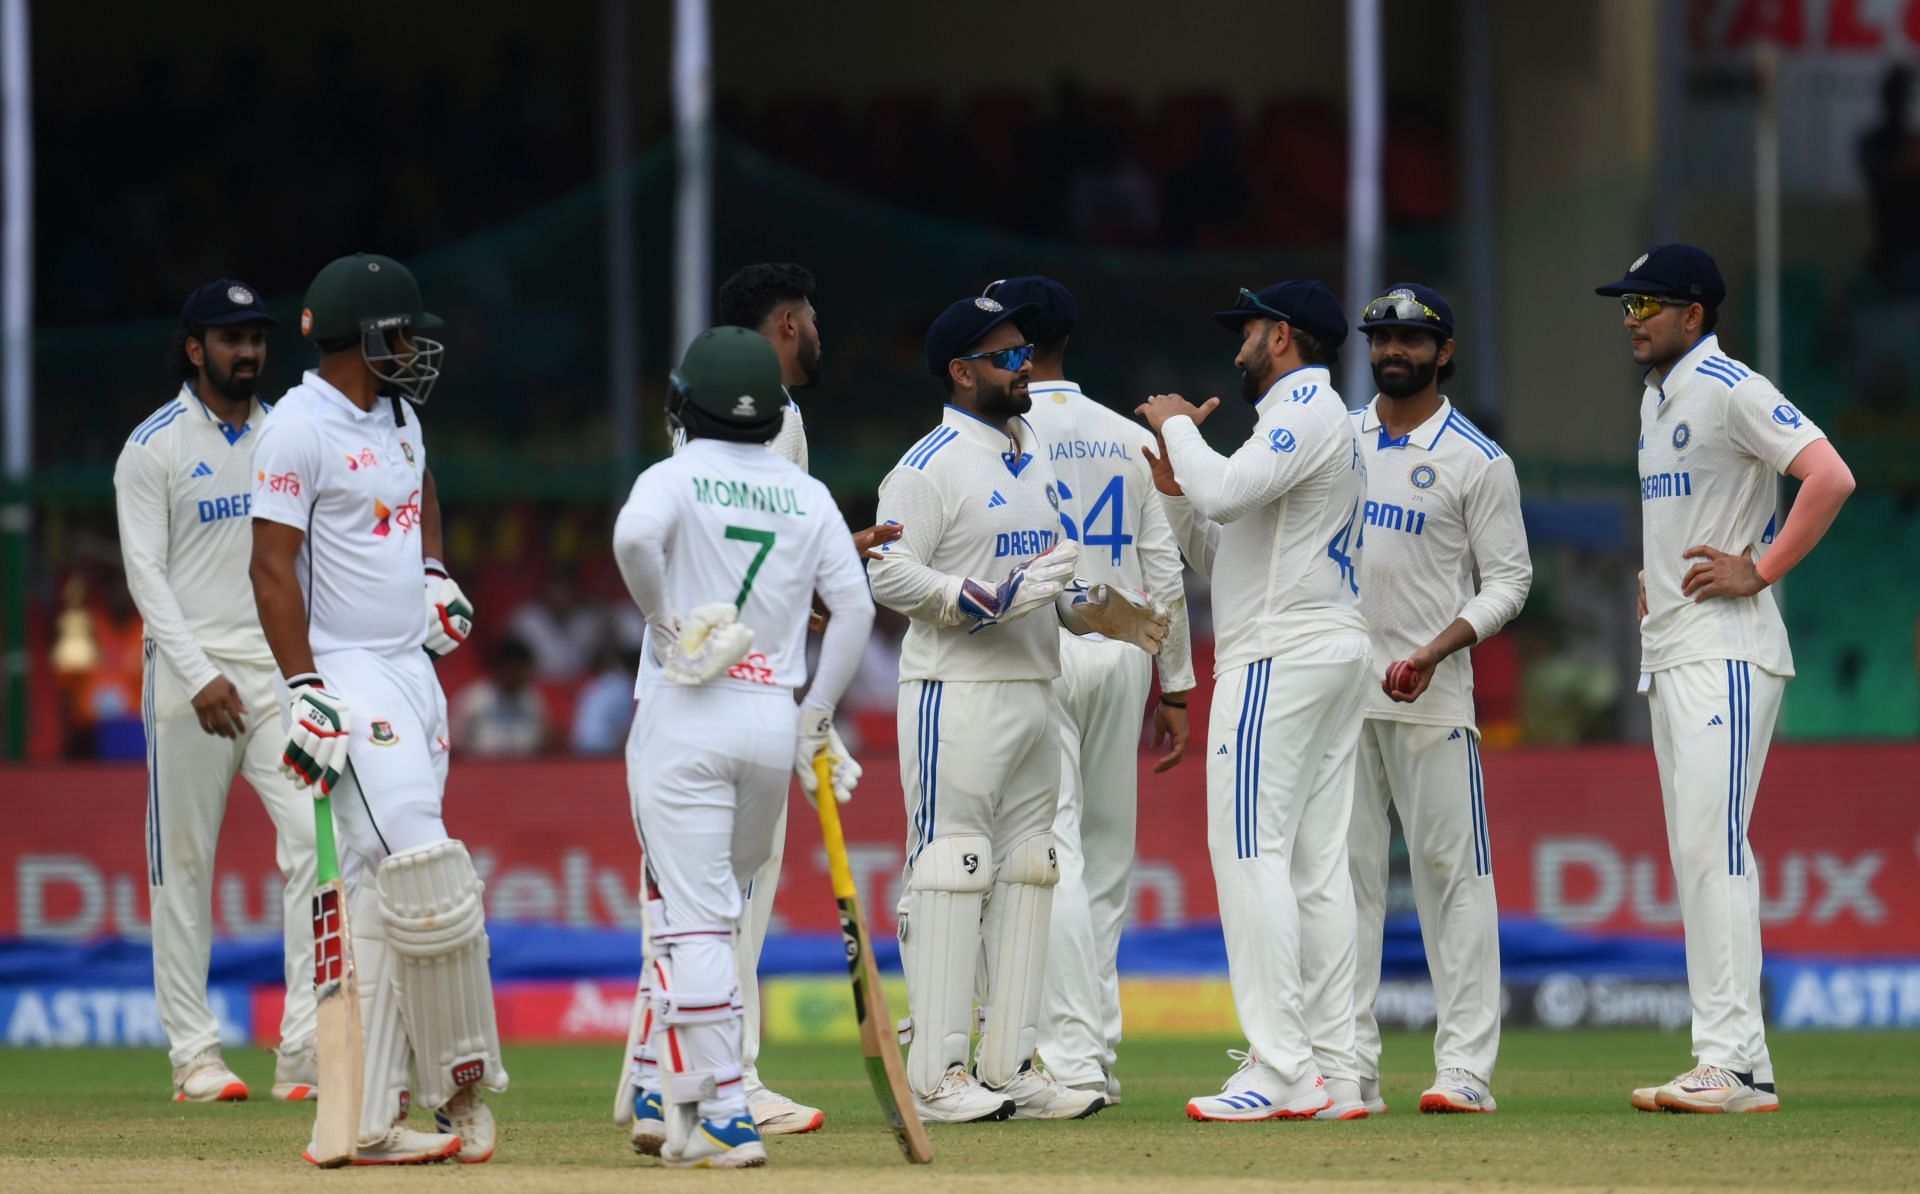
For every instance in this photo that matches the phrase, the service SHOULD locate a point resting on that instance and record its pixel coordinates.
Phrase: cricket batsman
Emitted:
(1714, 659)
(723, 546)
(356, 605)
(182, 490)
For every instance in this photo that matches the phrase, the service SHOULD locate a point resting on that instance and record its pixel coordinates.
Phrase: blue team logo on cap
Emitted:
(1281, 440)
(1682, 436)
(1423, 476)
(1786, 416)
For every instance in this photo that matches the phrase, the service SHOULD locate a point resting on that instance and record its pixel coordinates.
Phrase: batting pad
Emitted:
(1015, 934)
(431, 900)
(940, 949)
(388, 1059)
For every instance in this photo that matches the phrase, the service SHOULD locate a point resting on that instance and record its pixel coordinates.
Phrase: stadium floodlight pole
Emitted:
(623, 308)
(1766, 226)
(693, 207)
(16, 383)
(1479, 336)
(1364, 120)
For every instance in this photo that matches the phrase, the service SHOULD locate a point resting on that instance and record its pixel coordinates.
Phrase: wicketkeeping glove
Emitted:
(1124, 614)
(318, 728)
(817, 734)
(1027, 588)
(702, 646)
(449, 613)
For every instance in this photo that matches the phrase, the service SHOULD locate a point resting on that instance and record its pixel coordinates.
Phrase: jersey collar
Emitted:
(1703, 348)
(1017, 453)
(331, 394)
(191, 392)
(1283, 386)
(1425, 435)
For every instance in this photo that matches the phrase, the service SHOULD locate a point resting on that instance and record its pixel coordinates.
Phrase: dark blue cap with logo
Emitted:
(222, 302)
(1306, 304)
(1672, 271)
(1057, 310)
(964, 323)
(1409, 305)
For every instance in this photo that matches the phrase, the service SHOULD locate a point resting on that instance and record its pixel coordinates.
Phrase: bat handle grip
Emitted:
(829, 806)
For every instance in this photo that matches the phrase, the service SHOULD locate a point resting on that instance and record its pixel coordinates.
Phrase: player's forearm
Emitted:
(841, 647)
(639, 548)
(1220, 488)
(1458, 636)
(913, 589)
(432, 542)
(1176, 657)
(1825, 484)
(1503, 593)
(165, 623)
(283, 613)
(1196, 535)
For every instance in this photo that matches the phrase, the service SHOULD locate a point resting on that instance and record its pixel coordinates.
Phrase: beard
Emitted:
(1412, 378)
(1005, 401)
(1253, 386)
(238, 388)
(808, 358)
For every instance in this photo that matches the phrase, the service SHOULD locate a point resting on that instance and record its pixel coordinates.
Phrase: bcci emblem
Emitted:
(407, 450)
(1786, 416)
(240, 296)
(1053, 495)
(382, 734)
(988, 305)
(1682, 436)
(1638, 262)
(1423, 476)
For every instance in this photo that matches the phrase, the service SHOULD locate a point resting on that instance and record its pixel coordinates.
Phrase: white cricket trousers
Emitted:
(189, 773)
(395, 780)
(1431, 774)
(1102, 691)
(1282, 745)
(1712, 725)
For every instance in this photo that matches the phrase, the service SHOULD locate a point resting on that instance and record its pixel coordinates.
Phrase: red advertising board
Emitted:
(1578, 841)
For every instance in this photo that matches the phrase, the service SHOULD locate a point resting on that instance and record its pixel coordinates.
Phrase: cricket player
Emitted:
(1278, 526)
(982, 552)
(1443, 507)
(775, 300)
(1109, 506)
(722, 546)
(1714, 659)
(182, 488)
(356, 605)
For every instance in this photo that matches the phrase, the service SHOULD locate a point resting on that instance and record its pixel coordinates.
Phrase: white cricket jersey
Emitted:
(350, 479)
(183, 488)
(1712, 440)
(790, 442)
(1276, 525)
(1442, 505)
(1108, 502)
(970, 502)
(730, 522)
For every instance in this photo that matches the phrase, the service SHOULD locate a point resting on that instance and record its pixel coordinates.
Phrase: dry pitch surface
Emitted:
(97, 1119)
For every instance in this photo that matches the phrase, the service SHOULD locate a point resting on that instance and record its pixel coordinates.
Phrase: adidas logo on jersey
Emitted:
(201, 470)
(1716, 721)
(1451, 737)
(996, 500)
(1222, 750)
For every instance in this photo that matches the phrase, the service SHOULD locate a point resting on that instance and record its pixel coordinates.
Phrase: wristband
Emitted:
(306, 679)
(1173, 704)
(435, 568)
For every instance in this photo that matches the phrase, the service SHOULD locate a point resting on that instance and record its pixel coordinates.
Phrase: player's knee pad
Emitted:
(1034, 861)
(1016, 930)
(694, 981)
(940, 945)
(431, 900)
(961, 863)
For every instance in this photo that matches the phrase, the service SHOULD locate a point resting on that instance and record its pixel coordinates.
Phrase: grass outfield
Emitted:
(80, 1119)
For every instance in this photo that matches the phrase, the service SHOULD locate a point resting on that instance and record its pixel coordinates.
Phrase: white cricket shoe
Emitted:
(296, 1074)
(1456, 1090)
(960, 1099)
(1348, 1101)
(774, 1114)
(1113, 1089)
(206, 1079)
(1256, 1091)
(1036, 1095)
(649, 1123)
(1370, 1095)
(402, 1146)
(467, 1116)
(730, 1143)
(1710, 1090)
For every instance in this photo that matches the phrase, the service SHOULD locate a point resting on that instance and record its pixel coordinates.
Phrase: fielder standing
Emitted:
(182, 488)
(1443, 507)
(1109, 506)
(1278, 527)
(722, 547)
(355, 604)
(1714, 659)
(982, 549)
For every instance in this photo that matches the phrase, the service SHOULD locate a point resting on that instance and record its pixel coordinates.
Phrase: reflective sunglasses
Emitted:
(1009, 359)
(1646, 306)
(1403, 308)
(1249, 301)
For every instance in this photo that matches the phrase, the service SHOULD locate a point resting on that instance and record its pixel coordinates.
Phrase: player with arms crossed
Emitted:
(1714, 659)
(1443, 506)
(722, 547)
(1278, 527)
(182, 488)
(1109, 505)
(355, 604)
(983, 549)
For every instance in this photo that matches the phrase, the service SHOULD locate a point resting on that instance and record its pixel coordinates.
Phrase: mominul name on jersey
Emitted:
(739, 495)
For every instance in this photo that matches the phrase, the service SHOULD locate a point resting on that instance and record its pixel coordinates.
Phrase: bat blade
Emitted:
(340, 1047)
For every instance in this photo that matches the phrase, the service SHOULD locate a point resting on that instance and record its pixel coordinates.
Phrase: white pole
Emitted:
(693, 208)
(623, 317)
(16, 383)
(1479, 333)
(1766, 215)
(1364, 123)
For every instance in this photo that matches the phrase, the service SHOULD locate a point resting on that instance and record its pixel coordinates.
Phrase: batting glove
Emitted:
(1027, 588)
(1123, 614)
(817, 734)
(702, 646)
(318, 726)
(449, 613)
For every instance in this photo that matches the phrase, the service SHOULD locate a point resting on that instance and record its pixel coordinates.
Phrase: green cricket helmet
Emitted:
(374, 299)
(727, 387)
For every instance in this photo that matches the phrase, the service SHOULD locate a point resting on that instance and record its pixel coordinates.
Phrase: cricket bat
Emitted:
(879, 1040)
(336, 989)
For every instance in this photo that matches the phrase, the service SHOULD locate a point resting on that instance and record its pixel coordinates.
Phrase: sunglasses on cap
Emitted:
(1402, 308)
(1009, 359)
(1249, 301)
(1646, 306)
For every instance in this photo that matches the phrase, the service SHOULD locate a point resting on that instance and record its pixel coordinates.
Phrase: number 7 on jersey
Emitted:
(766, 540)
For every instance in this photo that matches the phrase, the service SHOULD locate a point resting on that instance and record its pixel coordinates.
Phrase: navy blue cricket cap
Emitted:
(1058, 310)
(1409, 305)
(221, 302)
(1306, 304)
(964, 323)
(1672, 271)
